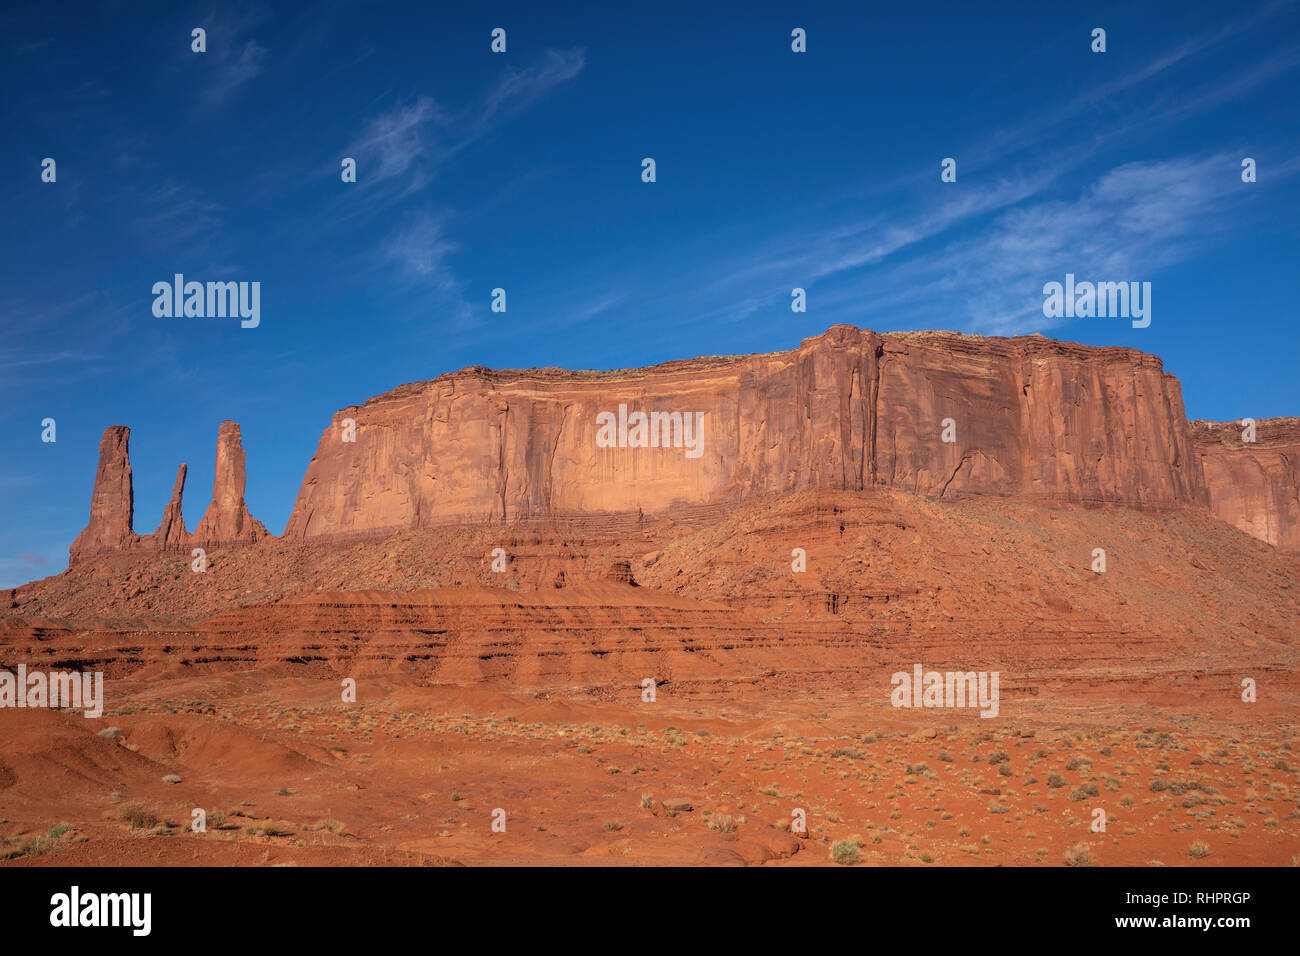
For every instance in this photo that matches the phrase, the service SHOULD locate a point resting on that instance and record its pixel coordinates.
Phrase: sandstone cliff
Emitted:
(848, 409)
(1254, 486)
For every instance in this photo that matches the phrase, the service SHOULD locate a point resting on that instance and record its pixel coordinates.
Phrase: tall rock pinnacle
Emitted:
(111, 501)
(171, 532)
(227, 520)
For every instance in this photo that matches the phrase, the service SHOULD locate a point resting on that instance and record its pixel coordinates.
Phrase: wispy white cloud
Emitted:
(420, 249)
(401, 150)
(15, 359)
(1133, 222)
(420, 252)
(233, 58)
(1033, 131)
(1006, 234)
(177, 214)
(395, 143)
(519, 88)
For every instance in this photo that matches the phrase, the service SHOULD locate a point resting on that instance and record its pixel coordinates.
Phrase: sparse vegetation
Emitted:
(138, 816)
(845, 852)
(1078, 855)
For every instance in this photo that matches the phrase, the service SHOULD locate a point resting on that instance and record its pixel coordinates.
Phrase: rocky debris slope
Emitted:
(889, 577)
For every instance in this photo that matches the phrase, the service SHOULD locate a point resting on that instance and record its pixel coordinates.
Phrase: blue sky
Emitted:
(522, 171)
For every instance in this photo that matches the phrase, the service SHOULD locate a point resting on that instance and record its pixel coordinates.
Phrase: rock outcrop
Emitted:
(171, 534)
(936, 414)
(1254, 485)
(112, 501)
(227, 520)
(847, 410)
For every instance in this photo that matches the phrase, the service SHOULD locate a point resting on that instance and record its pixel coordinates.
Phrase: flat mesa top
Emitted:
(845, 334)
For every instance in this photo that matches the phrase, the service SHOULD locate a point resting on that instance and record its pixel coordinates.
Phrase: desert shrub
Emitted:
(1085, 790)
(138, 816)
(1078, 855)
(845, 852)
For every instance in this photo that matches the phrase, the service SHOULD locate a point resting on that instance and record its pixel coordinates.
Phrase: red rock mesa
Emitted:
(849, 409)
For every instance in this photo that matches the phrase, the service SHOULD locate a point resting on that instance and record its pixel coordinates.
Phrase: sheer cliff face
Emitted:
(1254, 486)
(1033, 417)
(848, 409)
